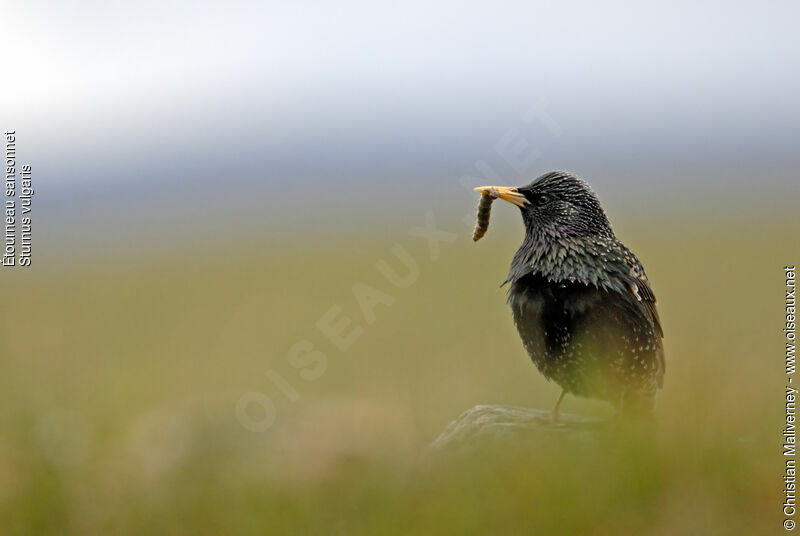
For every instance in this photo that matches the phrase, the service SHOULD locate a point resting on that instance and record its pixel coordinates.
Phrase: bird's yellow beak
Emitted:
(506, 193)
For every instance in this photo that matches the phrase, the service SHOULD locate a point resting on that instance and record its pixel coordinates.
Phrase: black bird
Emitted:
(580, 298)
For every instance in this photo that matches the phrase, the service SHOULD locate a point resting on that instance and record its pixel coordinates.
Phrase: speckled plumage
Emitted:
(581, 300)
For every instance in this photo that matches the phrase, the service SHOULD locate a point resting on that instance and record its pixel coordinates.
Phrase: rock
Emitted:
(487, 424)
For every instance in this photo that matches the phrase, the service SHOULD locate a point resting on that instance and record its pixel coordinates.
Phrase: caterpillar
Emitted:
(484, 210)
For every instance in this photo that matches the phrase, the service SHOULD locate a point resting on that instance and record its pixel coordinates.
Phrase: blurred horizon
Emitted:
(164, 120)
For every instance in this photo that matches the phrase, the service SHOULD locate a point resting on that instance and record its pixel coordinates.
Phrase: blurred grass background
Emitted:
(122, 375)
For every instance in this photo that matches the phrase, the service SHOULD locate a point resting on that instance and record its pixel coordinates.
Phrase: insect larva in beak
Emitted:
(484, 209)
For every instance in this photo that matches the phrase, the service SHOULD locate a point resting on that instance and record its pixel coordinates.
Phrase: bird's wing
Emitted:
(649, 301)
(642, 298)
(640, 287)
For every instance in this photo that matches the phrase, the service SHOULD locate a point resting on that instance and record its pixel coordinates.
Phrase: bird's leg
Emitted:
(554, 413)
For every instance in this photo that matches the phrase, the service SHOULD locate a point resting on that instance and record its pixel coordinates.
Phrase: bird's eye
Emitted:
(541, 200)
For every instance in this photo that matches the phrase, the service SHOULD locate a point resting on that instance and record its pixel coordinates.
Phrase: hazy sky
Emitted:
(165, 91)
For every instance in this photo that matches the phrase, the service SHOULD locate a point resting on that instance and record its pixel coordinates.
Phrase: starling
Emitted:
(580, 298)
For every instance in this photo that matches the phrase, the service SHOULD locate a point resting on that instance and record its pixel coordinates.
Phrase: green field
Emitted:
(121, 379)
